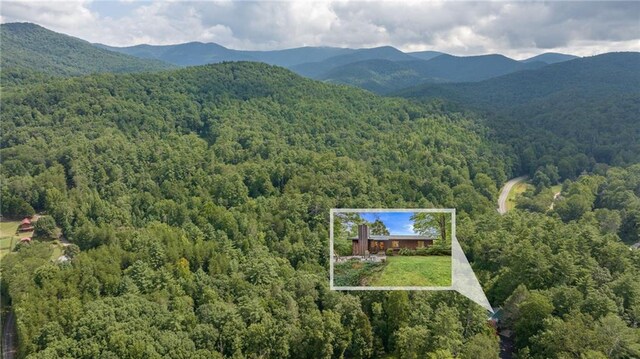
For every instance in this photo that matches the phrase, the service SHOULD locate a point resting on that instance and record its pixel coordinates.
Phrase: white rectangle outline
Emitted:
(364, 210)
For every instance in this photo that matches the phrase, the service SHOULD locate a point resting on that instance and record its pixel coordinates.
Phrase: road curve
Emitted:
(502, 200)
(9, 336)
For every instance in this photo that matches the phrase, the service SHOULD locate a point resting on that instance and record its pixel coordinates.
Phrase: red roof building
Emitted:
(25, 225)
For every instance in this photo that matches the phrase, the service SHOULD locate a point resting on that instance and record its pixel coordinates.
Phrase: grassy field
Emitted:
(422, 271)
(516, 190)
(9, 239)
(8, 236)
(57, 251)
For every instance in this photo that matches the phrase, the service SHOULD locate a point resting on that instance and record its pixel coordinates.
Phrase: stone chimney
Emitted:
(363, 239)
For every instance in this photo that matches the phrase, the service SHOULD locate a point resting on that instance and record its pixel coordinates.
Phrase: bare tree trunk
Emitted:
(443, 227)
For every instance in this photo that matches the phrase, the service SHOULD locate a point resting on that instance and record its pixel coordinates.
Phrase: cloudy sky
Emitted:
(396, 222)
(518, 29)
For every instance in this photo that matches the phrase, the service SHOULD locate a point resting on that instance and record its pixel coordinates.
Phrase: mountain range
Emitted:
(590, 101)
(610, 73)
(382, 69)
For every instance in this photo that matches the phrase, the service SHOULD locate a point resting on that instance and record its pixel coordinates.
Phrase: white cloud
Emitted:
(516, 29)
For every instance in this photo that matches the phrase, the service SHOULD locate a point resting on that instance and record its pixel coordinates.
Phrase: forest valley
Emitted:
(196, 202)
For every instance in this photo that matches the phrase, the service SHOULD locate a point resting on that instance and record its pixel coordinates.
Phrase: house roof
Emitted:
(398, 237)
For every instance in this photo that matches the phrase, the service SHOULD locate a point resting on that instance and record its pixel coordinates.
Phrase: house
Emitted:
(374, 243)
(25, 225)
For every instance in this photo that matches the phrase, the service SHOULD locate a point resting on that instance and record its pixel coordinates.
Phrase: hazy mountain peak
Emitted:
(550, 58)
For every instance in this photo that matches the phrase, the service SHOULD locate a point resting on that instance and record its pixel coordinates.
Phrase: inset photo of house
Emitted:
(390, 249)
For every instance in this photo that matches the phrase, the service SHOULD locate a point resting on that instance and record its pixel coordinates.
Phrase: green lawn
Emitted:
(516, 190)
(8, 228)
(6, 242)
(57, 251)
(415, 271)
(8, 236)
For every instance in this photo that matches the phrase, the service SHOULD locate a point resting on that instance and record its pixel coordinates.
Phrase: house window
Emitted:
(381, 246)
(395, 244)
(420, 244)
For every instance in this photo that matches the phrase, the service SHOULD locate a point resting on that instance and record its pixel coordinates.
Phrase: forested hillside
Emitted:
(27, 48)
(573, 114)
(606, 74)
(197, 200)
(569, 287)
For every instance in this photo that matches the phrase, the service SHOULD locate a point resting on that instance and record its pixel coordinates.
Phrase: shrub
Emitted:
(422, 251)
(20, 245)
(389, 252)
(352, 274)
(406, 252)
(439, 251)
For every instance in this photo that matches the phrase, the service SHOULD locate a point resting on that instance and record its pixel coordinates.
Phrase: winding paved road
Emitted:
(502, 200)
(8, 336)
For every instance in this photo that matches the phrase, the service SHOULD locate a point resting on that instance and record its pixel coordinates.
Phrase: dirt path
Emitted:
(9, 337)
(504, 194)
(555, 196)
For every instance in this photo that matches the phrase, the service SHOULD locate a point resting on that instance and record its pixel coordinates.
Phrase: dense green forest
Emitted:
(574, 115)
(568, 286)
(197, 204)
(199, 200)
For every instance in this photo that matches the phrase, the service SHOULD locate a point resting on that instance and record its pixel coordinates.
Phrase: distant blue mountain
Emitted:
(187, 54)
(425, 55)
(384, 76)
(198, 53)
(449, 68)
(381, 69)
(318, 70)
(550, 58)
(291, 57)
(607, 74)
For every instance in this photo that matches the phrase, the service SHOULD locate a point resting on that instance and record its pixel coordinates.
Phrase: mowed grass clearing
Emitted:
(8, 236)
(415, 271)
(518, 189)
